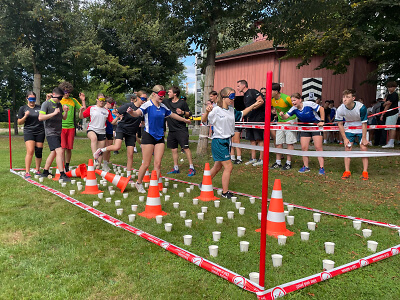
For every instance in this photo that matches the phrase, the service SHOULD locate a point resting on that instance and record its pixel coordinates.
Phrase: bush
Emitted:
(5, 125)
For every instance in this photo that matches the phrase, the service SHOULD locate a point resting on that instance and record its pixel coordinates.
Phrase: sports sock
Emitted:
(104, 149)
(232, 157)
(191, 166)
(278, 161)
(176, 167)
(239, 157)
(288, 162)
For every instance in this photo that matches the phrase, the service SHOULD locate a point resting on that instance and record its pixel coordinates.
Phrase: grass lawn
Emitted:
(51, 249)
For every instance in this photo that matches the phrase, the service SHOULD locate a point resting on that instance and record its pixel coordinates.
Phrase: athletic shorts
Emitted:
(54, 142)
(254, 134)
(286, 137)
(221, 149)
(139, 133)
(311, 133)
(238, 129)
(130, 140)
(109, 136)
(100, 136)
(352, 137)
(148, 139)
(391, 120)
(38, 138)
(67, 138)
(176, 138)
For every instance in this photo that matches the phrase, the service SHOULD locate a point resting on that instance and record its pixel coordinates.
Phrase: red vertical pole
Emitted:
(9, 136)
(264, 204)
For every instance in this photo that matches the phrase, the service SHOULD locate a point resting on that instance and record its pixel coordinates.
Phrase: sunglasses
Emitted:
(102, 99)
(161, 93)
(144, 98)
(31, 99)
(231, 96)
(66, 92)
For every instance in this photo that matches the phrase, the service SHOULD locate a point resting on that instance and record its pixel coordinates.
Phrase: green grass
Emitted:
(52, 249)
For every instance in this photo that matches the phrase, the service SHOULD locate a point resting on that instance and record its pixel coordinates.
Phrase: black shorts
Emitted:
(54, 142)
(100, 137)
(109, 136)
(37, 137)
(176, 138)
(254, 134)
(238, 129)
(139, 133)
(148, 139)
(311, 133)
(130, 140)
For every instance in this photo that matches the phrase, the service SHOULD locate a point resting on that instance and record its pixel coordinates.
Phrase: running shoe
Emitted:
(286, 167)
(388, 146)
(45, 174)
(38, 173)
(27, 176)
(304, 169)
(321, 171)
(192, 172)
(134, 150)
(258, 163)
(140, 188)
(173, 171)
(238, 162)
(251, 161)
(275, 166)
(346, 175)
(65, 178)
(364, 176)
(106, 168)
(97, 154)
(227, 195)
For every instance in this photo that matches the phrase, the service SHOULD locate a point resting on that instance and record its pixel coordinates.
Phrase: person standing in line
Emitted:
(109, 134)
(33, 133)
(391, 102)
(327, 119)
(178, 132)
(52, 113)
(256, 136)
(68, 125)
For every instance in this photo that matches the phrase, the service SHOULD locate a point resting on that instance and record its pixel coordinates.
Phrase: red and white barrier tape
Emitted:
(312, 128)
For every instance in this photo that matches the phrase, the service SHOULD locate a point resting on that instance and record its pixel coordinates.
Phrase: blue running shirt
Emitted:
(308, 114)
(154, 118)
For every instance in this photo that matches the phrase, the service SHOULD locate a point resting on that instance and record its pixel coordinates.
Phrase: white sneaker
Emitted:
(258, 163)
(251, 161)
(140, 188)
(388, 146)
(97, 154)
(106, 168)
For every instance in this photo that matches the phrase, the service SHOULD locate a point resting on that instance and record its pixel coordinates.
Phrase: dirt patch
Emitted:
(16, 237)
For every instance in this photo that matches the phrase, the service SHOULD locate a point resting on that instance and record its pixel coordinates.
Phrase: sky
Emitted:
(190, 72)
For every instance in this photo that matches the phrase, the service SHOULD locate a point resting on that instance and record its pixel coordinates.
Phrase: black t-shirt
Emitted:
(394, 99)
(128, 124)
(52, 126)
(32, 123)
(175, 125)
(327, 114)
(250, 97)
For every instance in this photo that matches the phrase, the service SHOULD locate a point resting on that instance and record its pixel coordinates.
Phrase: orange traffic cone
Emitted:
(207, 192)
(57, 177)
(146, 177)
(153, 202)
(160, 185)
(119, 181)
(276, 224)
(80, 171)
(91, 181)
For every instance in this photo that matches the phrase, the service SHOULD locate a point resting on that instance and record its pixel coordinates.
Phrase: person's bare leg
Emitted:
(38, 161)
(290, 147)
(147, 153)
(261, 143)
(68, 155)
(175, 156)
(93, 141)
(129, 157)
(50, 160)
(188, 155)
(347, 159)
(100, 144)
(364, 159)
(226, 175)
(253, 152)
(305, 142)
(59, 159)
(318, 147)
(158, 155)
(117, 145)
(30, 150)
(215, 169)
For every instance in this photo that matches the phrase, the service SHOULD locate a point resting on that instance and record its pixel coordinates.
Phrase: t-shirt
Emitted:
(284, 104)
(175, 125)
(72, 103)
(327, 114)
(394, 99)
(308, 114)
(98, 117)
(223, 121)
(128, 125)
(52, 126)
(32, 123)
(154, 118)
(249, 98)
(332, 114)
(354, 117)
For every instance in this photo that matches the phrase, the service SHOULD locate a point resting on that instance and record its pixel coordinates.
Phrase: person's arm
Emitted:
(204, 117)
(81, 112)
(322, 114)
(256, 104)
(179, 118)
(364, 140)
(21, 120)
(134, 113)
(83, 99)
(283, 115)
(43, 116)
(343, 134)
(65, 113)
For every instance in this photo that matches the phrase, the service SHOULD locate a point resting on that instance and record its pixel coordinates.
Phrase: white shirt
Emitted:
(353, 117)
(223, 121)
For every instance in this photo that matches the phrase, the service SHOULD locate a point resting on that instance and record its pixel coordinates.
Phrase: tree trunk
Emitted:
(208, 87)
(37, 79)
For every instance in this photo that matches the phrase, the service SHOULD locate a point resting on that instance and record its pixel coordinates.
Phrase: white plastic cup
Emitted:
(125, 195)
(191, 187)
(200, 216)
(95, 203)
(78, 183)
(372, 245)
(72, 192)
(164, 190)
(159, 219)
(204, 209)
(100, 195)
(259, 216)
(195, 201)
(286, 212)
(60, 181)
(254, 277)
(188, 190)
(217, 202)
(112, 192)
(166, 184)
(219, 192)
(64, 184)
(317, 217)
(290, 207)
(187, 239)
(128, 173)
(367, 232)
(290, 220)
(167, 197)
(131, 217)
(213, 250)
(230, 214)
(188, 223)
(73, 181)
(219, 220)
(181, 194)
(182, 213)
(168, 227)
(110, 188)
(104, 183)
(242, 210)
(238, 205)
(328, 264)
(79, 187)
(108, 199)
(329, 247)
(311, 226)
(241, 231)
(216, 236)
(233, 199)
(134, 207)
(282, 239)
(40, 179)
(175, 185)
(132, 184)
(176, 204)
(305, 236)
(120, 211)
(244, 246)
(117, 202)
(37, 177)
(276, 260)
(146, 185)
(141, 198)
(357, 224)
(252, 201)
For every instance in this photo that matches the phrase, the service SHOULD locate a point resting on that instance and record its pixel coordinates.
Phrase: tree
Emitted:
(338, 31)
(214, 26)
